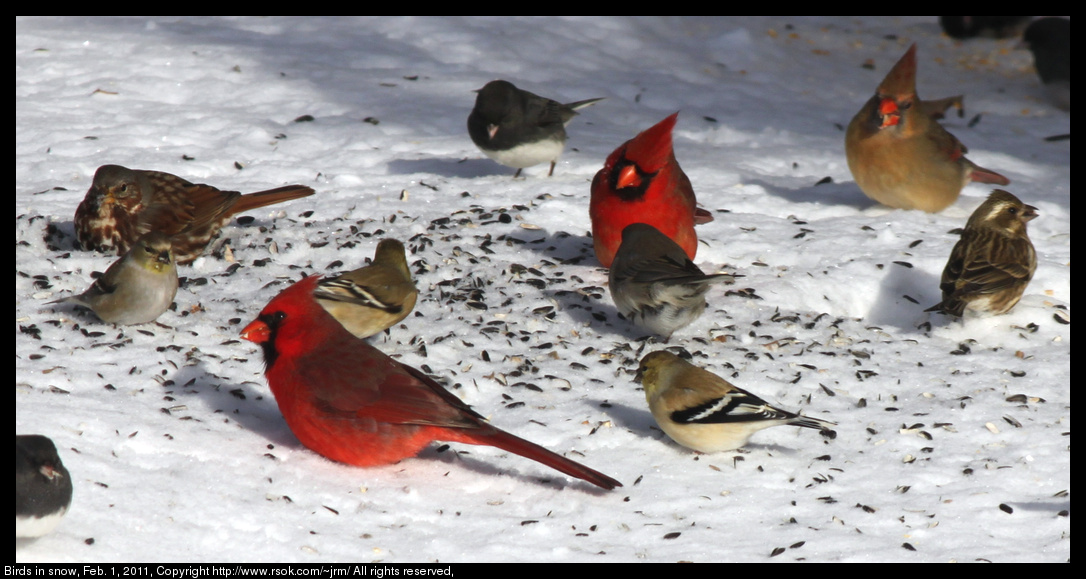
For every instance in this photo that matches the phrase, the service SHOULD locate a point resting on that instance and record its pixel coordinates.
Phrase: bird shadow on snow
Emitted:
(892, 308)
(846, 194)
(445, 167)
(247, 404)
(523, 469)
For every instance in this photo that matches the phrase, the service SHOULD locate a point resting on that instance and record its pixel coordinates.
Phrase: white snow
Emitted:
(179, 453)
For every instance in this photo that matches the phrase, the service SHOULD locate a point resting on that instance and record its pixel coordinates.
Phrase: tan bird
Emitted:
(706, 413)
(900, 156)
(374, 298)
(993, 262)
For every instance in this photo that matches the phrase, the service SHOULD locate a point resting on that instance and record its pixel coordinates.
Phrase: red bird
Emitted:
(900, 156)
(349, 402)
(641, 182)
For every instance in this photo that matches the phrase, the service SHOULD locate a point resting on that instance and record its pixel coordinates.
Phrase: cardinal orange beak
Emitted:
(889, 112)
(256, 332)
(628, 177)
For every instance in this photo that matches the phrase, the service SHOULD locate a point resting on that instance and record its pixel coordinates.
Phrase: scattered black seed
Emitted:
(777, 551)
(1063, 137)
(88, 541)
(674, 535)
(904, 264)
(304, 119)
(974, 121)
(1060, 319)
(908, 546)
(824, 181)
(528, 522)
(238, 166)
(910, 298)
(710, 119)
(1005, 508)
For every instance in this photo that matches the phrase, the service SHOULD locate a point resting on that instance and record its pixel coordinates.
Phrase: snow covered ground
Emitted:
(953, 440)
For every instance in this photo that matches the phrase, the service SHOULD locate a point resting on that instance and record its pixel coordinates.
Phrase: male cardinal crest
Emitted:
(900, 156)
(349, 402)
(641, 182)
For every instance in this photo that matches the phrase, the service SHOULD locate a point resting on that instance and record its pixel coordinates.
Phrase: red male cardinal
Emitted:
(900, 156)
(641, 182)
(349, 402)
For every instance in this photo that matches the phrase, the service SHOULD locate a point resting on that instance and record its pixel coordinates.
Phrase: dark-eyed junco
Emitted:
(1049, 39)
(654, 284)
(520, 129)
(991, 265)
(900, 156)
(43, 488)
(123, 204)
(962, 27)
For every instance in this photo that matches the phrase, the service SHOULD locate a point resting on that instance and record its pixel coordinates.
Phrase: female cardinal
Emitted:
(900, 156)
(641, 182)
(123, 204)
(349, 402)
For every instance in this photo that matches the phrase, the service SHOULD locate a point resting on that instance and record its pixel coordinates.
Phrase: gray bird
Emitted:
(137, 288)
(654, 283)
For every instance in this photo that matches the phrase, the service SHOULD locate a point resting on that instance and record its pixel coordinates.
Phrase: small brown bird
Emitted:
(900, 156)
(137, 288)
(374, 298)
(653, 282)
(993, 262)
(123, 204)
(703, 411)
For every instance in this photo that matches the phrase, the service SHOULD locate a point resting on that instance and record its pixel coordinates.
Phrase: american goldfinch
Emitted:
(43, 487)
(654, 284)
(900, 156)
(993, 262)
(371, 299)
(122, 204)
(703, 411)
(137, 288)
(519, 129)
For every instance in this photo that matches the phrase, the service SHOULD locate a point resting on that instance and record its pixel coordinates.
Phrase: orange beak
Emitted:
(628, 177)
(889, 112)
(256, 332)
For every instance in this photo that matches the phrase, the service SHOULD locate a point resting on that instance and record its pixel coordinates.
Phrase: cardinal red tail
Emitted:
(982, 175)
(270, 197)
(505, 441)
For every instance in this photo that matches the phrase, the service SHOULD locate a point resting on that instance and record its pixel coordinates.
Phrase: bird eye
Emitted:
(1012, 210)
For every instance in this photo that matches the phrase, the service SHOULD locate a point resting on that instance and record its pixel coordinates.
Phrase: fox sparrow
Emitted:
(123, 204)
